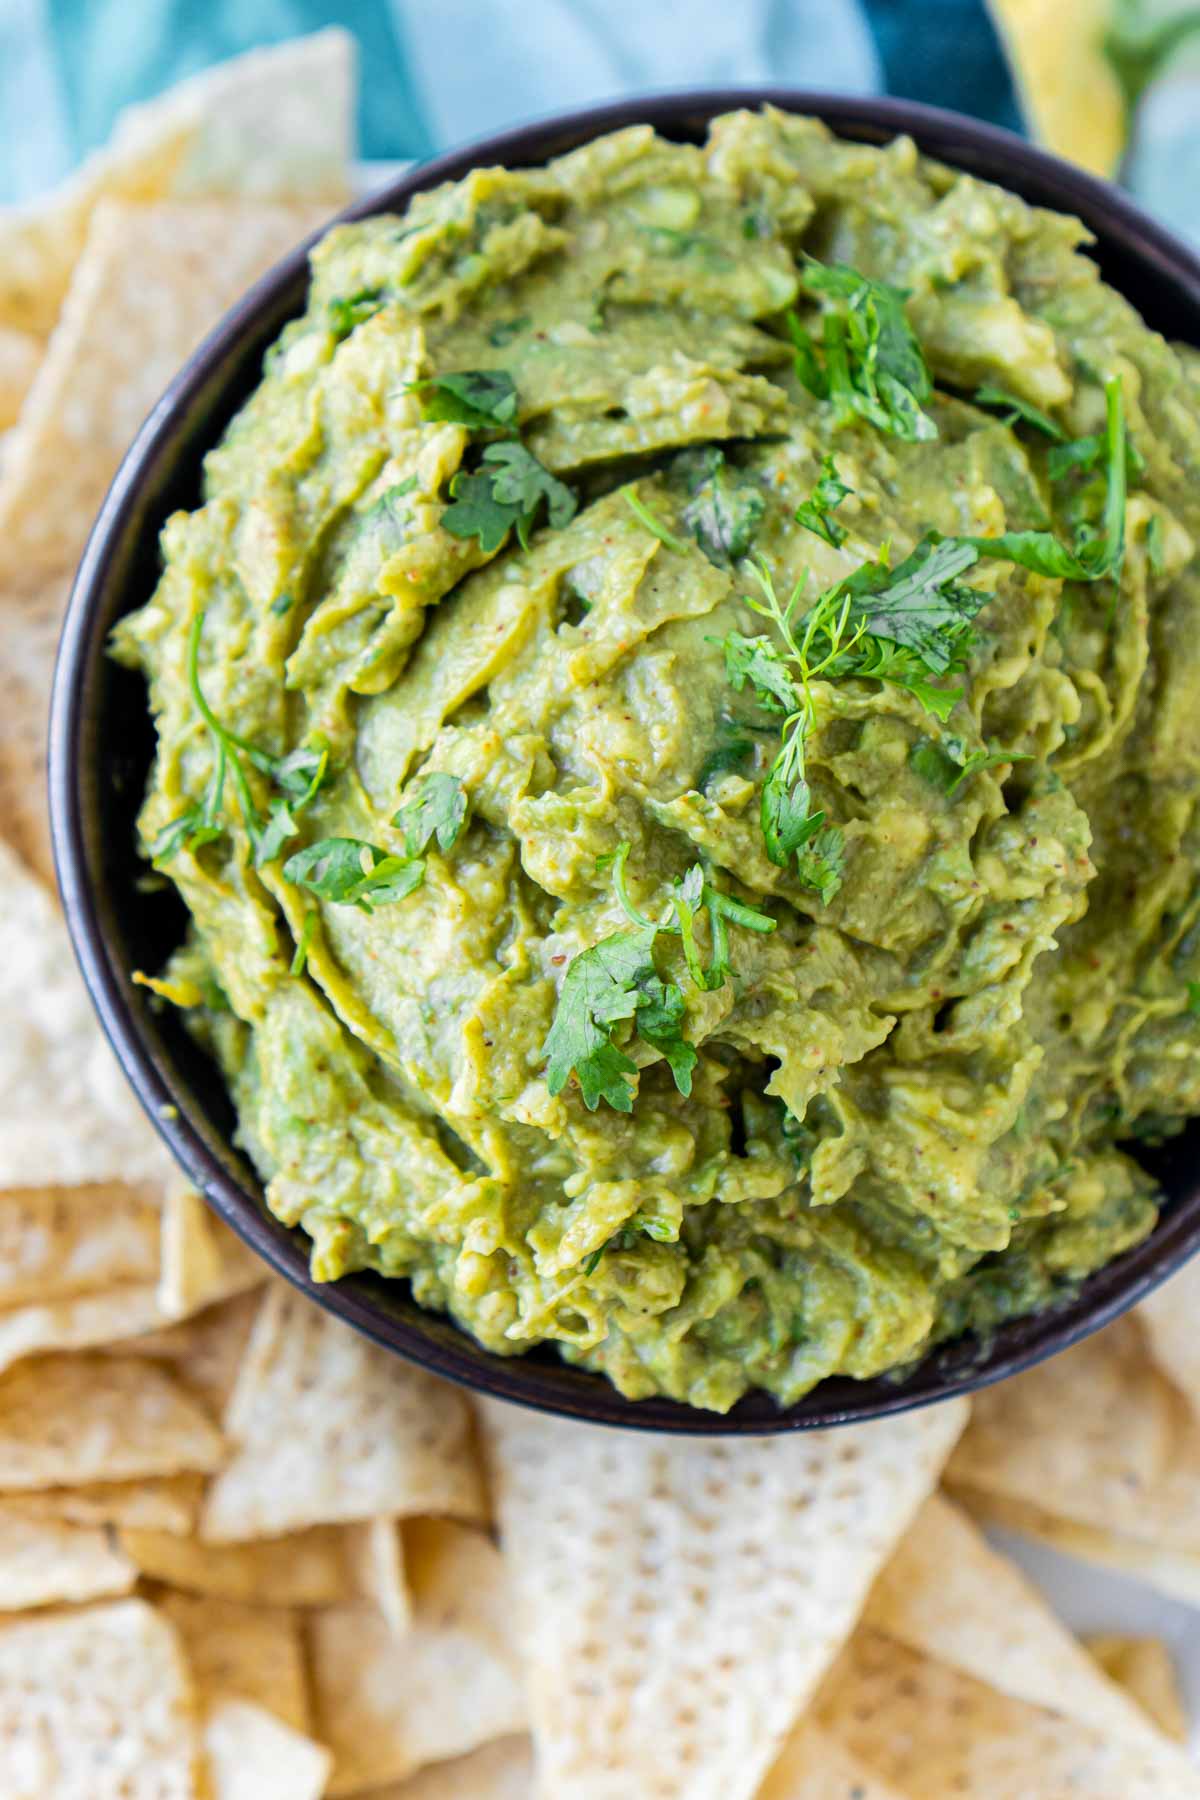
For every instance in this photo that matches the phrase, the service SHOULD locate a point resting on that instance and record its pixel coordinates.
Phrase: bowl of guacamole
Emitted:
(623, 761)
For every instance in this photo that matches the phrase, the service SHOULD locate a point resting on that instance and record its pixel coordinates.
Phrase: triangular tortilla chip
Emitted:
(948, 1594)
(680, 1599)
(1087, 1434)
(44, 1561)
(20, 355)
(206, 1351)
(203, 1261)
(1168, 1319)
(63, 1241)
(379, 1571)
(1145, 1668)
(119, 341)
(31, 611)
(96, 1705)
(241, 1653)
(251, 1756)
(500, 1771)
(387, 1705)
(1070, 93)
(80, 1323)
(317, 1567)
(814, 1766)
(329, 1427)
(156, 1503)
(67, 1114)
(92, 1418)
(274, 124)
(939, 1734)
(1173, 1572)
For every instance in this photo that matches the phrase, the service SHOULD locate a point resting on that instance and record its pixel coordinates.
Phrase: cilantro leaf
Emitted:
(873, 365)
(599, 990)
(920, 603)
(505, 493)
(280, 826)
(353, 873)
(816, 513)
(787, 815)
(722, 516)
(757, 660)
(302, 771)
(728, 757)
(1017, 411)
(821, 863)
(948, 765)
(190, 827)
(1193, 998)
(437, 809)
(344, 313)
(659, 1020)
(483, 399)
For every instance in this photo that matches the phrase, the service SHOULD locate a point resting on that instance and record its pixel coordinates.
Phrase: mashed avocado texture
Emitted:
(678, 736)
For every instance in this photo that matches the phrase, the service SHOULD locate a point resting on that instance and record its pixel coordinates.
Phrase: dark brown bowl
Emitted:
(102, 743)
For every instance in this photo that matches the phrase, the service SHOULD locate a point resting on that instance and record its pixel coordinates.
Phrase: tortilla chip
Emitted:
(119, 341)
(379, 1571)
(1087, 1434)
(1145, 1668)
(205, 1351)
(158, 1503)
(500, 1771)
(20, 354)
(319, 1567)
(44, 1561)
(1173, 1572)
(276, 123)
(680, 1599)
(251, 1756)
(203, 1261)
(96, 1705)
(62, 1241)
(387, 1705)
(81, 1323)
(1068, 89)
(1168, 1319)
(814, 1766)
(946, 1593)
(90, 1418)
(935, 1732)
(329, 1427)
(237, 1652)
(67, 1114)
(31, 610)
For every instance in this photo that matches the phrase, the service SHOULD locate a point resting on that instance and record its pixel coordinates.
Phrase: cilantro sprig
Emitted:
(816, 513)
(351, 872)
(948, 764)
(506, 493)
(298, 776)
(869, 364)
(616, 980)
(722, 514)
(437, 809)
(482, 399)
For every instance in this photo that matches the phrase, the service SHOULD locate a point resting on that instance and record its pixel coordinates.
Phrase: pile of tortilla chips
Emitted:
(245, 1555)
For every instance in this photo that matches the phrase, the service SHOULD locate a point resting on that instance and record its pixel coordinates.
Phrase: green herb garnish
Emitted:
(349, 872)
(506, 493)
(345, 314)
(652, 522)
(869, 364)
(437, 810)
(1017, 411)
(816, 513)
(1193, 998)
(507, 330)
(303, 943)
(949, 764)
(482, 399)
(721, 515)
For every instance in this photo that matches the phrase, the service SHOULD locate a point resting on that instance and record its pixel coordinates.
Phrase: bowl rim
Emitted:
(965, 144)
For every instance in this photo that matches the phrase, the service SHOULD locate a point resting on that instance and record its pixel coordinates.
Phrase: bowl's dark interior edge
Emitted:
(101, 744)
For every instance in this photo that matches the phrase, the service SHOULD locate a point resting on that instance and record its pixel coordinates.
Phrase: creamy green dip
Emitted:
(898, 927)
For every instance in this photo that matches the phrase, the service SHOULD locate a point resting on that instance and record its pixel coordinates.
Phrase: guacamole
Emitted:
(679, 736)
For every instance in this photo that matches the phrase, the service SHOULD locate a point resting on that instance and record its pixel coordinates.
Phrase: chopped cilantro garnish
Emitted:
(353, 873)
(507, 492)
(437, 810)
(816, 513)
(300, 959)
(869, 364)
(652, 522)
(507, 329)
(483, 399)
(721, 515)
(1193, 997)
(1017, 411)
(345, 314)
(949, 764)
